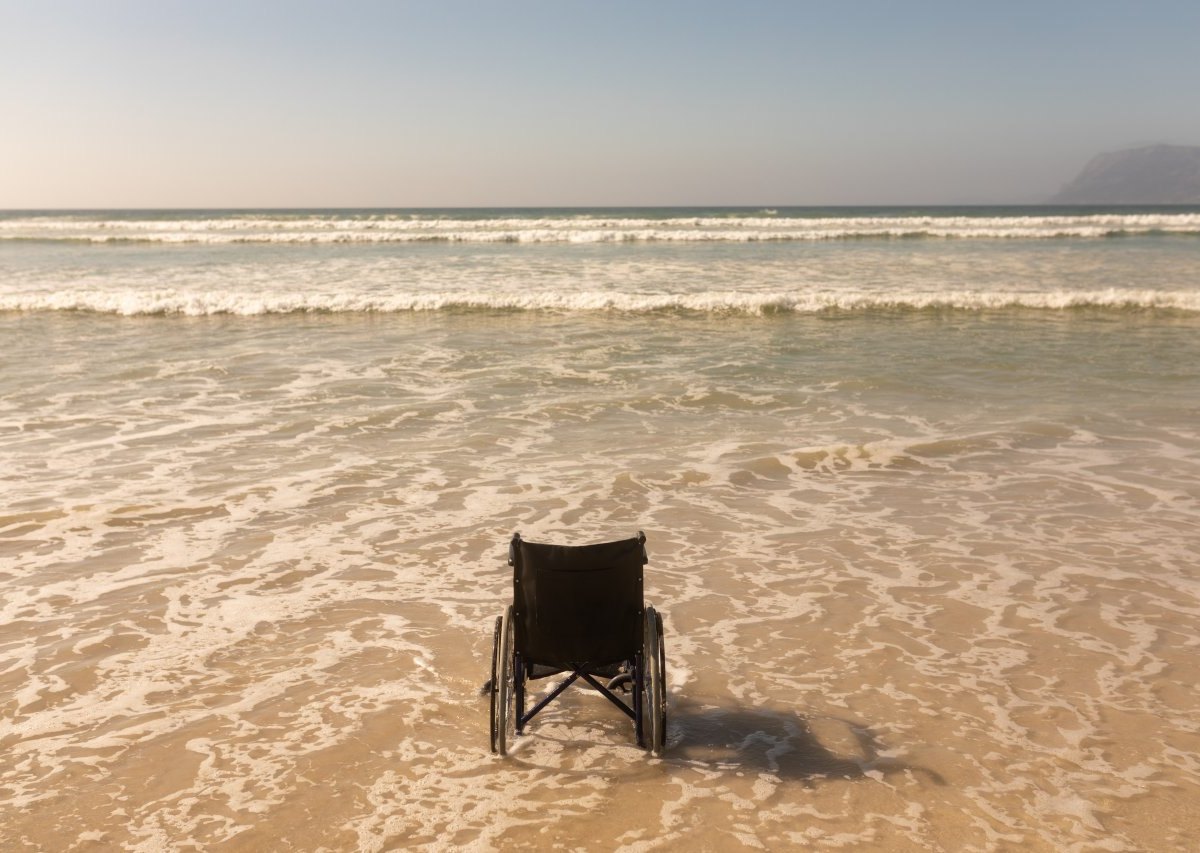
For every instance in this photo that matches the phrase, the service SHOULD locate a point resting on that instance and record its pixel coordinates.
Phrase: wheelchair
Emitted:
(578, 609)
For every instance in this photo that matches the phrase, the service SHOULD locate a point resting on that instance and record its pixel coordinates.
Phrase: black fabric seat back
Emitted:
(578, 603)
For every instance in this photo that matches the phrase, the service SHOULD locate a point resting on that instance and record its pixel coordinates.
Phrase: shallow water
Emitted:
(928, 576)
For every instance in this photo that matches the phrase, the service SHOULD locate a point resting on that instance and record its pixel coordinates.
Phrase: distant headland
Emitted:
(1154, 174)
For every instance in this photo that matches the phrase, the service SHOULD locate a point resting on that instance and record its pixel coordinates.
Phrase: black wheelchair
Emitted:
(578, 609)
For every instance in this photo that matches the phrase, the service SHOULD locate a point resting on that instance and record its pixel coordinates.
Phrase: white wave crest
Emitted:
(195, 303)
(395, 228)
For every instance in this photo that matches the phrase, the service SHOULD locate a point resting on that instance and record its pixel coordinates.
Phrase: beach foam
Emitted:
(197, 304)
(283, 227)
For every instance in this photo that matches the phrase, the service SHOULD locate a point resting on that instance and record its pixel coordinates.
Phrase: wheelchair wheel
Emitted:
(662, 674)
(655, 692)
(493, 684)
(503, 693)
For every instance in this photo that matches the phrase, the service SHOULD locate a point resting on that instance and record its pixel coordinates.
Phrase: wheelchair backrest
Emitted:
(577, 603)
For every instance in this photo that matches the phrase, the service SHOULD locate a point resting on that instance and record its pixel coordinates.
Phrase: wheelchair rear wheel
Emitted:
(492, 684)
(662, 675)
(503, 698)
(655, 713)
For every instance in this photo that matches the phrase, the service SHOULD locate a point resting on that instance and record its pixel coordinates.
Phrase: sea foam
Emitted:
(130, 302)
(407, 228)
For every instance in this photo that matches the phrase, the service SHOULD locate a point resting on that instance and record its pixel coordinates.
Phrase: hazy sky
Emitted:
(123, 103)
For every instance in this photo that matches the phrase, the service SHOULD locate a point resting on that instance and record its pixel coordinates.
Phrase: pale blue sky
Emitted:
(214, 104)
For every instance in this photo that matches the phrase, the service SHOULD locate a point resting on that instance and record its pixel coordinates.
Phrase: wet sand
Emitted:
(249, 571)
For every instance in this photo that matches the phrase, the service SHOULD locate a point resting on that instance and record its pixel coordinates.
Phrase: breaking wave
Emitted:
(411, 228)
(197, 303)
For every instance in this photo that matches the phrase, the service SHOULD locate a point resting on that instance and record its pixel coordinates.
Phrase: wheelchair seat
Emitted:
(578, 609)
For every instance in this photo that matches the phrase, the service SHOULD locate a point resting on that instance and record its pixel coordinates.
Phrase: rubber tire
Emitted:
(505, 698)
(655, 694)
(662, 674)
(493, 685)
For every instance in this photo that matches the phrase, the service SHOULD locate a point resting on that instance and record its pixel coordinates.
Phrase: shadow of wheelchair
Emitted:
(784, 743)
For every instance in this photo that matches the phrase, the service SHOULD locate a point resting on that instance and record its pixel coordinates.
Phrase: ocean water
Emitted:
(921, 490)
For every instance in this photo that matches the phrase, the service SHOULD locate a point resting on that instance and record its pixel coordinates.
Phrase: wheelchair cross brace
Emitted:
(580, 671)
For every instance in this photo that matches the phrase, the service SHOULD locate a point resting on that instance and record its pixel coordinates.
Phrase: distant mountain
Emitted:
(1156, 174)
